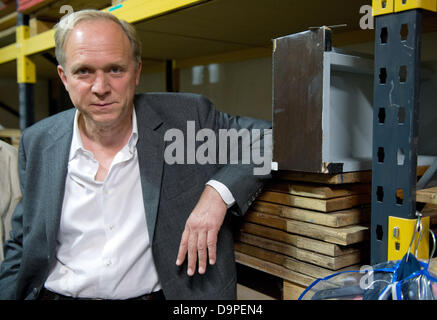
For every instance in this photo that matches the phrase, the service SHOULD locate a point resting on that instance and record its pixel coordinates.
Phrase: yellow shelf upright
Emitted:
(401, 232)
(380, 7)
(26, 72)
(403, 5)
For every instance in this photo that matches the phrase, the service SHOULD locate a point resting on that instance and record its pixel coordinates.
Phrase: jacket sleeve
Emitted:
(13, 247)
(244, 153)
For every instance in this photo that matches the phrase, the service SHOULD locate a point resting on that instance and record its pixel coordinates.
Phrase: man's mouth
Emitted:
(102, 104)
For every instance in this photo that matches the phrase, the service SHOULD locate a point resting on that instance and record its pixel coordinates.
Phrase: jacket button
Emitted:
(35, 291)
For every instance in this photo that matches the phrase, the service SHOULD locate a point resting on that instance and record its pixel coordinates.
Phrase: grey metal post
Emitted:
(26, 98)
(395, 123)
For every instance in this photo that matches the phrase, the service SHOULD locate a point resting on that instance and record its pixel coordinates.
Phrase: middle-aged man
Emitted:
(103, 215)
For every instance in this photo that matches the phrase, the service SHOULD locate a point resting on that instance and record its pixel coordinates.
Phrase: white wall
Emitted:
(238, 88)
(151, 82)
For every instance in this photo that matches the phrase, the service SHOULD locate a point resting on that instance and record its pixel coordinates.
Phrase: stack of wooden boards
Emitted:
(306, 226)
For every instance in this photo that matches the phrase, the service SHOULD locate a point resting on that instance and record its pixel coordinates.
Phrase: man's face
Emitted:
(100, 72)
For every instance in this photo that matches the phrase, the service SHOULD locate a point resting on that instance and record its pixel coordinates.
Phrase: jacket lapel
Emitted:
(150, 149)
(56, 162)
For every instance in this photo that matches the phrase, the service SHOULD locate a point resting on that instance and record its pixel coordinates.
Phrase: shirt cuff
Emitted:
(224, 192)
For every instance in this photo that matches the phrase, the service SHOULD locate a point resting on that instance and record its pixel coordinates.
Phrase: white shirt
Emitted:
(103, 245)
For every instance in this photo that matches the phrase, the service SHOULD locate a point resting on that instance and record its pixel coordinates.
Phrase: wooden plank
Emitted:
(273, 269)
(340, 178)
(246, 293)
(331, 219)
(326, 248)
(291, 291)
(322, 205)
(430, 210)
(281, 250)
(342, 235)
(288, 262)
(319, 191)
(427, 195)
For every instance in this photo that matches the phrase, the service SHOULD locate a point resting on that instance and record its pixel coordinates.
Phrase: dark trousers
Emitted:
(49, 295)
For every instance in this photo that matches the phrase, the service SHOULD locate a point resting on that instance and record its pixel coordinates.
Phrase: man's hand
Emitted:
(201, 231)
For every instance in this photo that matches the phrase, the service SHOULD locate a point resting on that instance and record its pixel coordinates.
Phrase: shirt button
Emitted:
(111, 227)
(108, 263)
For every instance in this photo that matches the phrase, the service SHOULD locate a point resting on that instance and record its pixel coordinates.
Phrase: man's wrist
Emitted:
(224, 192)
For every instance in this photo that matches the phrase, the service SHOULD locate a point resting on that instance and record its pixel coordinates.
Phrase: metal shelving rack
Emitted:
(395, 125)
(25, 46)
(392, 99)
(181, 33)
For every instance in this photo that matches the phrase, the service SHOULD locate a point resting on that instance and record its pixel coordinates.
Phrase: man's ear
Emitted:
(62, 75)
(138, 73)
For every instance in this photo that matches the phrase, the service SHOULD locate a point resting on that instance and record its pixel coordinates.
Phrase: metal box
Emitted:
(322, 105)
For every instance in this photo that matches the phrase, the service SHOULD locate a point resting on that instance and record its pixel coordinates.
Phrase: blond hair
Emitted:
(68, 22)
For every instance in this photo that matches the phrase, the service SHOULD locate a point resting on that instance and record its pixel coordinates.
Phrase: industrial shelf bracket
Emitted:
(381, 7)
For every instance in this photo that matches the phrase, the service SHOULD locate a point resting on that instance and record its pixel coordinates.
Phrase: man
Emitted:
(103, 216)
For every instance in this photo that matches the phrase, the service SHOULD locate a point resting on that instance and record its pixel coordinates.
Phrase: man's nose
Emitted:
(100, 85)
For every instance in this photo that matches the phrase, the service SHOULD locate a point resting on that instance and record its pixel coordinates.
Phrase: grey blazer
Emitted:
(170, 192)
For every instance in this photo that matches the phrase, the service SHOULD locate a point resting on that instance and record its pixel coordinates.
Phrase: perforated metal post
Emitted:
(25, 75)
(395, 123)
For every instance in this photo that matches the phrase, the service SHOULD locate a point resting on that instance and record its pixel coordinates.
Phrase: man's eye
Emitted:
(115, 70)
(82, 71)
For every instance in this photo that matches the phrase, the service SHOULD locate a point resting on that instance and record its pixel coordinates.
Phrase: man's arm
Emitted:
(199, 238)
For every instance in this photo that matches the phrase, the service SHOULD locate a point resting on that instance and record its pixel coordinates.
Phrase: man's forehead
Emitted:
(97, 36)
(96, 30)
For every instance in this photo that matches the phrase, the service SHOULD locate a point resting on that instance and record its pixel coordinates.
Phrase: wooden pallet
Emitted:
(319, 191)
(323, 205)
(339, 218)
(303, 261)
(246, 293)
(343, 235)
(340, 178)
(307, 226)
(292, 291)
(430, 210)
(322, 247)
(273, 269)
(427, 195)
